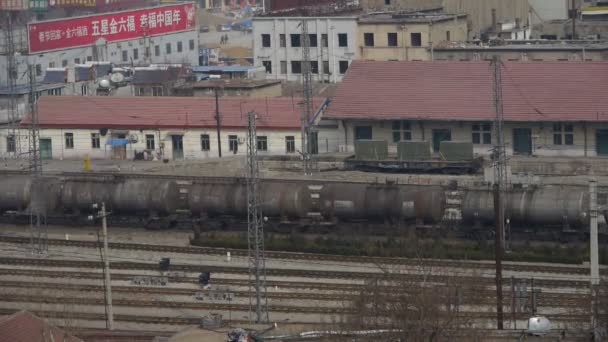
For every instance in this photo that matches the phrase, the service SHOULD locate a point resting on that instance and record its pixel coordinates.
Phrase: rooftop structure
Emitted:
(24, 326)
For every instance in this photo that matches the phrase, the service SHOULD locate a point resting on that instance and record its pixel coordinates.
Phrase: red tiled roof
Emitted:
(140, 112)
(536, 91)
(25, 327)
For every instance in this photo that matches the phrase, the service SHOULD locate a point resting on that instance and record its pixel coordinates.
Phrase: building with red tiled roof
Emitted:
(163, 127)
(23, 326)
(552, 108)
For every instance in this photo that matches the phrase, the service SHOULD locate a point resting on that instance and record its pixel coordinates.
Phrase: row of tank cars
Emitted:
(163, 203)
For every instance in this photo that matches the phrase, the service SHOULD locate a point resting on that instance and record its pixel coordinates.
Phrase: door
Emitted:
(522, 141)
(119, 151)
(363, 132)
(440, 135)
(46, 149)
(177, 142)
(601, 144)
(313, 140)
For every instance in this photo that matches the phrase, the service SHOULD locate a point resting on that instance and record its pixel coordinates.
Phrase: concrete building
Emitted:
(160, 127)
(277, 46)
(407, 36)
(526, 51)
(550, 108)
(158, 80)
(235, 88)
(479, 12)
(229, 72)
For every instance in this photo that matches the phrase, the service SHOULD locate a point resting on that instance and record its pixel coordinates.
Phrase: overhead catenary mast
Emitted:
(255, 229)
(307, 105)
(13, 138)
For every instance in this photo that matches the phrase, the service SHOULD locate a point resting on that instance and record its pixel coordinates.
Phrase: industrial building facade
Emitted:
(159, 128)
(277, 45)
(550, 108)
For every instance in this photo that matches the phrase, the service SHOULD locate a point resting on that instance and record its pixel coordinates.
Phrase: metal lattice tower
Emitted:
(13, 111)
(38, 228)
(255, 229)
(307, 105)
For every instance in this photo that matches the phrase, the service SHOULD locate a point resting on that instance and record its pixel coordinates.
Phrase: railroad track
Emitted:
(311, 256)
(483, 297)
(122, 265)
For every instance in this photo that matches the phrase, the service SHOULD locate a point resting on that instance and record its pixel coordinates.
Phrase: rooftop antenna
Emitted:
(255, 229)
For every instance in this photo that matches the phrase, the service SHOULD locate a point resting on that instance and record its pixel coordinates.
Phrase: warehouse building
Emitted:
(160, 127)
(550, 108)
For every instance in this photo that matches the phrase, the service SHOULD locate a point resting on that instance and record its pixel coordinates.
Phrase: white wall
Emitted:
(331, 26)
(191, 142)
(544, 10)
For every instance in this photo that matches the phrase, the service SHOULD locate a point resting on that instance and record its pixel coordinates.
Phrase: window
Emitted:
(268, 66)
(10, 144)
(312, 40)
(84, 89)
(141, 91)
(296, 67)
(205, 142)
(448, 35)
(343, 67)
(89, 58)
(482, 134)
(402, 131)
(563, 134)
(265, 40)
(76, 60)
(326, 67)
(156, 50)
(147, 52)
(342, 40)
(135, 54)
(95, 143)
(392, 38)
(233, 143)
(282, 40)
(262, 143)
(64, 63)
(191, 44)
(387, 2)
(38, 70)
(368, 39)
(324, 40)
(290, 144)
(51, 64)
(180, 47)
(54, 92)
(416, 39)
(157, 91)
(69, 140)
(314, 67)
(150, 142)
(125, 56)
(295, 40)
(168, 48)
(283, 67)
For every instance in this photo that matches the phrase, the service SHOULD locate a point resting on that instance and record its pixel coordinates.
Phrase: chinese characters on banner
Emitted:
(69, 33)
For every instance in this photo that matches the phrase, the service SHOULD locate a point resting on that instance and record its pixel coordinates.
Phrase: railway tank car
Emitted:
(564, 206)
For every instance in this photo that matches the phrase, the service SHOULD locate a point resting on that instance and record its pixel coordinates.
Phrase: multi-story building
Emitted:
(277, 45)
(407, 36)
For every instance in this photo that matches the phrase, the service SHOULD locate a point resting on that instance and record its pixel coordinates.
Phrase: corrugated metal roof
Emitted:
(141, 112)
(25, 327)
(226, 68)
(536, 91)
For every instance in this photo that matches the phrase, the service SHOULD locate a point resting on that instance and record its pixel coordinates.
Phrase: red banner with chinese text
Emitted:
(69, 33)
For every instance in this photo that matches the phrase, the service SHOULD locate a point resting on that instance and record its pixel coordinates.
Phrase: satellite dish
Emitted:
(117, 77)
(539, 326)
(104, 84)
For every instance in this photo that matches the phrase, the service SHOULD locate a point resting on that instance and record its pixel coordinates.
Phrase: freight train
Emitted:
(287, 203)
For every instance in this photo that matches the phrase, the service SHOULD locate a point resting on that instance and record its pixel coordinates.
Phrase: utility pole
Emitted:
(499, 161)
(11, 73)
(218, 121)
(255, 229)
(594, 256)
(38, 205)
(307, 105)
(573, 13)
(107, 284)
